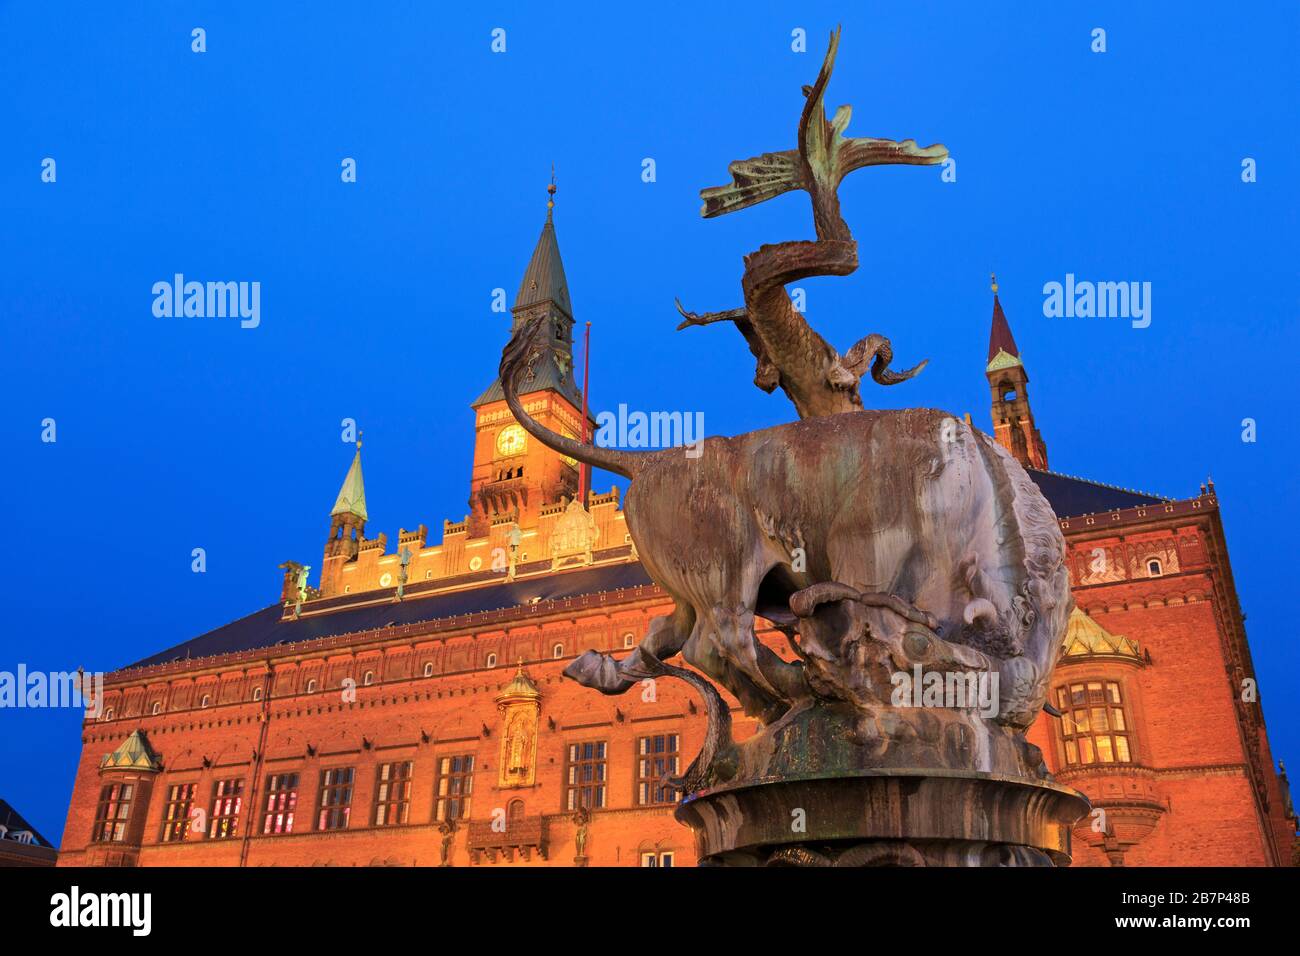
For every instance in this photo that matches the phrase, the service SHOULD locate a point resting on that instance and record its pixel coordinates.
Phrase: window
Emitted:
(656, 756)
(176, 816)
(368, 679)
(393, 800)
(311, 686)
(491, 660)
(428, 575)
(651, 858)
(627, 640)
(113, 812)
(455, 784)
(1153, 567)
(335, 798)
(207, 699)
(108, 714)
(156, 709)
(1094, 726)
(257, 693)
(557, 651)
(227, 800)
(428, 669)
(585, 779)
(281, 802)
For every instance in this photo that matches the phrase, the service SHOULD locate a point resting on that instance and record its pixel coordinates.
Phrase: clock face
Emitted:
(511, 440)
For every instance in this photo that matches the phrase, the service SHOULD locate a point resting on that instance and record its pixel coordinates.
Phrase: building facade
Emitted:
(409, 709)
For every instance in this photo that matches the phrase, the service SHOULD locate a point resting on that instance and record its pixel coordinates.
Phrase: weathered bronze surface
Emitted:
(890, 547)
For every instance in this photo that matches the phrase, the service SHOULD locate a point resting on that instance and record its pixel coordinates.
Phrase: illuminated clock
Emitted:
(511, 440)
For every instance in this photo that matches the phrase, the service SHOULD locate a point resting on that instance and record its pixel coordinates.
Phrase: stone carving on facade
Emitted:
(519, 704)
(889, 547)
(574, 536)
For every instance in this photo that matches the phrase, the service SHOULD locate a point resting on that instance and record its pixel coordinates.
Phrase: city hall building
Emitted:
(409, 709)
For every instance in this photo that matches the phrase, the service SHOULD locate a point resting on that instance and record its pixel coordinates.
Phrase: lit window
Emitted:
(557, 651)
(393, 799)
(1094, 726)
(651, 858)
(656, 756)
(281, 803)
(176, 816)
(627, 640)
(455, 784)
(227, 801)
(113, 812)
(586, 776)
(335, 798)
(428, 575)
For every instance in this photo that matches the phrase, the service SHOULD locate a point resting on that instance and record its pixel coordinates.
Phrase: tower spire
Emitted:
(352, 496)
(1013, 420)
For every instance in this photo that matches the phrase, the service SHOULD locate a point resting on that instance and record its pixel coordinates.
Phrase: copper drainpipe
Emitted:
(250, 809)
(584, 470)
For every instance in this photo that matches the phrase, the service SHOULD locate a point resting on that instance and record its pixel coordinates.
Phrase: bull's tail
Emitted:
(517, 359)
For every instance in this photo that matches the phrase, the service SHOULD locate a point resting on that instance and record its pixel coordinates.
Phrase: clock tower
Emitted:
(514, 475)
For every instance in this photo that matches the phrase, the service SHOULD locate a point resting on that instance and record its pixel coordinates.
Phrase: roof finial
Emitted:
(359, 434)
(993, 276)
(550, 201)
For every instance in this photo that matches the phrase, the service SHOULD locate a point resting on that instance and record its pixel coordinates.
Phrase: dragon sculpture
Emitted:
(875, 541)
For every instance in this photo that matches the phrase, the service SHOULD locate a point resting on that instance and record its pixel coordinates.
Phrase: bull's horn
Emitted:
(804, 603)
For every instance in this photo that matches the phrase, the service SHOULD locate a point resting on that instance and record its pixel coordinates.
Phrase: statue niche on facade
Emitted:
(889, 547)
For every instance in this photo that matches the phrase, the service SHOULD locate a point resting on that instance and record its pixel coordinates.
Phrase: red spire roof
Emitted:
(1000, 339)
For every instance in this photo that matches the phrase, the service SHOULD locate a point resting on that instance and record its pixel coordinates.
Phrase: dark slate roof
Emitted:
(1071, 497)
(264, 628)
(15, 821)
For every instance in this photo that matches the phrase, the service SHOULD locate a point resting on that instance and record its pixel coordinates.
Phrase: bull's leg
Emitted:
(664, 637)
(725, 648)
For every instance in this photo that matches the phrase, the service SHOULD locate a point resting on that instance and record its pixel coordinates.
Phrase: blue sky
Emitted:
(175, 434)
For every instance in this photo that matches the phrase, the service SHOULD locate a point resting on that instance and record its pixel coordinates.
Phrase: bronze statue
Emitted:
(448, 830)
(881, 543)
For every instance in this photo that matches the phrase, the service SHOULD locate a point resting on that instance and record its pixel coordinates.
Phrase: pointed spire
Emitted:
(352, 496)
(1000, 338)
(544, 279)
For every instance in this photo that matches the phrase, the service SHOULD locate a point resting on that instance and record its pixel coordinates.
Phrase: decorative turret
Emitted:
(1013, 420)
(348, 519)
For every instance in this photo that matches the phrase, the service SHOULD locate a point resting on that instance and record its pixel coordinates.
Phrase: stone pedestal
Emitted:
(886, 817)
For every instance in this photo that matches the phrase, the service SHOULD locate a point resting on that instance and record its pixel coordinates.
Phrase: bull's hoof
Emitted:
(599, 671)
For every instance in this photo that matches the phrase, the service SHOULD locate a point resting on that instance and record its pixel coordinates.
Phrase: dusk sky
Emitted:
(175, 434)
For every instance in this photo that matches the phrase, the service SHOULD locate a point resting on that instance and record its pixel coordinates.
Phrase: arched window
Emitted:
(515, 811)
(1154, 568)
(108, 714)
(157, 708)
(627, 639)
(1095, 728)
(207, 699)
(257, 693)
(368, 679)
(491, 660)
(311, 686)
(428, 669)
(557, 651)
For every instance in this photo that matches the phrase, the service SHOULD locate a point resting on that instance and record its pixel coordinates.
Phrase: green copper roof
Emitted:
(1084, 637)
(1003, 360)
(133, 754)
(352, 496)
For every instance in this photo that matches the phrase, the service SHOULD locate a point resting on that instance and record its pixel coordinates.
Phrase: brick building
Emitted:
(411, 708)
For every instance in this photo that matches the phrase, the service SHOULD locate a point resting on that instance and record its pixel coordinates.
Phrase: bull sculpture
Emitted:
(878, 542)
